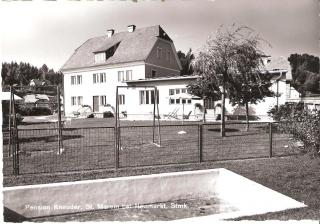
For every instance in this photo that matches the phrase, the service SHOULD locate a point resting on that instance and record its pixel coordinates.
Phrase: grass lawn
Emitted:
(295, 176)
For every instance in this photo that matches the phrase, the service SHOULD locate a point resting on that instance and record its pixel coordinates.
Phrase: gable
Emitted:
(164, 54)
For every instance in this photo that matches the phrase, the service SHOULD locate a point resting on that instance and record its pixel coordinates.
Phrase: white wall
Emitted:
(87, 89)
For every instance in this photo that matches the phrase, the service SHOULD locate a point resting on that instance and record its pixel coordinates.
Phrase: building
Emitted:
(136, 57)
(147, 57)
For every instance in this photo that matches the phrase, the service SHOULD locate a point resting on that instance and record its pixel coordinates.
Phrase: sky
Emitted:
(47, 32)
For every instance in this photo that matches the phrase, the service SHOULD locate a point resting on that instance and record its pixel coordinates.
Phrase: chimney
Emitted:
(110, 32)
(131, 28)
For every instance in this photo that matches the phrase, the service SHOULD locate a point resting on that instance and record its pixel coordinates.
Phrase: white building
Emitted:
(147, 57)
(144, 56)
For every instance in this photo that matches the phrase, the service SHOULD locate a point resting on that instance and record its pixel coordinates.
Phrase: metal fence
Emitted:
(98, 148)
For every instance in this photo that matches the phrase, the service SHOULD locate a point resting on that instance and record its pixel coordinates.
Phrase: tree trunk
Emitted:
(247, 117)
(223, 99)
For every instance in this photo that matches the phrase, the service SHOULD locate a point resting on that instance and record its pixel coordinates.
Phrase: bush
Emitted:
(31, 110)
(303, 125)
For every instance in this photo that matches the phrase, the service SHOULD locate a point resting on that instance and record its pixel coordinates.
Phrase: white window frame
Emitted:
(100, 57)
(73, 101)
(80, 100)
(121, 99)
(79, 79)
(147, 96)
(128, 75)
(103, 77)
(120, 76)
(103, 100)
(73, 80)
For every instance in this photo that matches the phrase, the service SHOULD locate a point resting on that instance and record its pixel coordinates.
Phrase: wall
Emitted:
(171, 65)
(87, 89)
(145, 111)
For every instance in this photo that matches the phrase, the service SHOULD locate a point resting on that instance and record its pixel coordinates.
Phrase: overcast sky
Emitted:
(47, 32)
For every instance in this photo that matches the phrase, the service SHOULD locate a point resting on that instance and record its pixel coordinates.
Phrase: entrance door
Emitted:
(95, 103)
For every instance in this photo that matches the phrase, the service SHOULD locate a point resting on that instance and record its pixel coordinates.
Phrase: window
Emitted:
(183, 101)
(80, 100)
(177, 91)
(100, 57)
(102, 77)
(159, 52)
(128, 74)
(184, 90)
(153, 73)
(147, 97)
(94, 76)
(171, 101)
(120, 76)
(171, 92)
(189, 101)
(73, 80)
(76, 80)
(99, 78)
(103, 100)
(79, 79)
(121, 99)
(73, 101)
(177, 101)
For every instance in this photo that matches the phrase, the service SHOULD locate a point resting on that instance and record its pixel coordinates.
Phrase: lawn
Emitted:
(90, 144)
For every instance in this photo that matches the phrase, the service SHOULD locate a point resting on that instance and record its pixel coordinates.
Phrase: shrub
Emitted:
(303, 125)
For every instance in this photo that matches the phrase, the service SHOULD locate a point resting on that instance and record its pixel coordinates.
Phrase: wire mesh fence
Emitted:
(95, 148)
(82, 149)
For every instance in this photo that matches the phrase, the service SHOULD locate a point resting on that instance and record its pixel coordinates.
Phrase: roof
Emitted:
(163, 79)
(33, 98)
(6, 96)
(276, 64)
(133, 46)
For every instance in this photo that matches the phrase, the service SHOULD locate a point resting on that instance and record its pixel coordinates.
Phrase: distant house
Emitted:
(38, 82)
(38, 100)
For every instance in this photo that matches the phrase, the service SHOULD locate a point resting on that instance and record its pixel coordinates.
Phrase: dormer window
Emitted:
(100, 57)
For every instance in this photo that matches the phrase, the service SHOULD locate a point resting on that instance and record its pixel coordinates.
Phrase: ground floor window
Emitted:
(76, 100)
(73, 101)
(103, 100)
(121, 99)
(180, 101)
(209, 103)
(80, 100)
(147, 96)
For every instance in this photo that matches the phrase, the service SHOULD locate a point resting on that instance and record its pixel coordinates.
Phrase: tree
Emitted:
(186, 62)
(230, 62)
(305, 73)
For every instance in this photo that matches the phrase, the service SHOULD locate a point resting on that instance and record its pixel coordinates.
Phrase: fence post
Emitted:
(270, 140)
(200, 142)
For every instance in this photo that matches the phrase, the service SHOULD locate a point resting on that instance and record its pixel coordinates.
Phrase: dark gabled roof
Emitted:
(133, 46)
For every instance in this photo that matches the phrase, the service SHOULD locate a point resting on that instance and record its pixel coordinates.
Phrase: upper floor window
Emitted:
(159, 52)
(128, 74)
(76, 79)
(120, 76)
(100, 57)
(177, 91)
(99, 78)
(124, 77)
